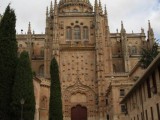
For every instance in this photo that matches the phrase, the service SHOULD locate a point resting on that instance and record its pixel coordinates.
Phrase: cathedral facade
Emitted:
(94, 64)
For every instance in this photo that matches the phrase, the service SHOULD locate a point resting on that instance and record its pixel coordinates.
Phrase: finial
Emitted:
(29, 28)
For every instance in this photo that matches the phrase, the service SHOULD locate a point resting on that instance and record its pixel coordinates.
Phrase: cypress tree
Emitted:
(23, 89)
(55, 104)
(8, 61)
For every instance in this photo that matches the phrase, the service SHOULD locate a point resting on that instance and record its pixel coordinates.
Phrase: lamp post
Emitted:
(22, 103)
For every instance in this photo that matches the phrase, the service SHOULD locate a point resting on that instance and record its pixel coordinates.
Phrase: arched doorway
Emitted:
(79, 113)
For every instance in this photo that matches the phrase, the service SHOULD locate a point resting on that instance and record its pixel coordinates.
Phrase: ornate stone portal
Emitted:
(78, 87)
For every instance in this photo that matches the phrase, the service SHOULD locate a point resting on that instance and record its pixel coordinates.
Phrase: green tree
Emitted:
(23, 89)
(148, 55)
(8, 61)
(55, 104)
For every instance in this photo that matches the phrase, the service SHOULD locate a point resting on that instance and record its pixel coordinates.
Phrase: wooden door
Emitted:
(79, 113)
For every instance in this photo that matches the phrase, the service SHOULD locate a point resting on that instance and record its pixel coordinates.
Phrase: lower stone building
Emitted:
(120, 84)
(142, 102)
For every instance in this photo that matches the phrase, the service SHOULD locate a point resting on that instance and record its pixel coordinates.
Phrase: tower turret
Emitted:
(125, 51)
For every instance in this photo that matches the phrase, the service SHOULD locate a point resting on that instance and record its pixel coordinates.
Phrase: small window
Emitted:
(123, 108)
(148, 88)
(106, 101)
(107, 117)
(122, 92)
(154, 87)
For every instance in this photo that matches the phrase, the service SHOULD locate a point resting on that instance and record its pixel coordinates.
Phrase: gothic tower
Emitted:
(78, 37)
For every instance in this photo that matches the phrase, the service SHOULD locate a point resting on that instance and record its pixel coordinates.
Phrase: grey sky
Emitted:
(134, 14)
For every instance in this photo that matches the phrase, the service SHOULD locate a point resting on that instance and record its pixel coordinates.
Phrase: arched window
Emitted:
(68, 33)
(85, 33)
(77, 33)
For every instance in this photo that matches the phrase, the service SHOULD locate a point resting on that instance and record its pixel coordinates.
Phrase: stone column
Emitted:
(36, 116)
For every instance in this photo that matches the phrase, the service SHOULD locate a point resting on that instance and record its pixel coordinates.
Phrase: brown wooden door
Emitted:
(79, 113)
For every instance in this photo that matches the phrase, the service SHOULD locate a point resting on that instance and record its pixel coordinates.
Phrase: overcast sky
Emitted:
(134, 14)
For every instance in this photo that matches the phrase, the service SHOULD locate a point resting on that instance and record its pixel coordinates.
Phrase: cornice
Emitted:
(77, 48)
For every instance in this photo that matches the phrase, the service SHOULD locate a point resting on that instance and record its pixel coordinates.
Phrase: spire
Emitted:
(149, 25)
(55, 2)
(105, 15)
(29, 28)
(51, 9)
(122, 25)
(150, 30)
(122, 28)
(95, 6)
(105, 10)
(100, 6)
(150, 35)
(55, 6)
